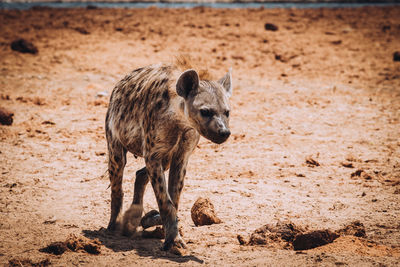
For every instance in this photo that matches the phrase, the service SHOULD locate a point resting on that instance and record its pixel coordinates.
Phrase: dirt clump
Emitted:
(281, 235)
(24, 46)
(355, 228)
(203, 212)
(73, 243)
(6, 117)
(314, 239)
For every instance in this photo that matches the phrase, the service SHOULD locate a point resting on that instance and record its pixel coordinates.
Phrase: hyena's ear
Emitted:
(226, 82)
(187, 83)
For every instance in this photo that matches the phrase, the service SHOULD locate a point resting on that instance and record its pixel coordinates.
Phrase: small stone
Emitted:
(311, 162)
(82, 30)
(347, 164)
(271, 27)
(241, 240)
(396, 56)
(6, 117)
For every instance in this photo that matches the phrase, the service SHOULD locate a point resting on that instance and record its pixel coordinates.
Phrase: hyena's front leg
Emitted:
(116, 165)
(165, 205)
(179, 163)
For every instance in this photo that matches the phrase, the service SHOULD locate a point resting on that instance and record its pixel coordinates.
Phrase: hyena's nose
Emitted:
(224, 133)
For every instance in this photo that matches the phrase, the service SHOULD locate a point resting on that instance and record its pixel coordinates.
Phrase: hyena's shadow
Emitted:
(145, 247)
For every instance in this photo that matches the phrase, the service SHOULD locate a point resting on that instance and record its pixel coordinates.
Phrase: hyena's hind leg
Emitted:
(133, 215)
(116, 165)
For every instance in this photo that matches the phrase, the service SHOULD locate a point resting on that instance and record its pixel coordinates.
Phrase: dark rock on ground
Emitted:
(23, 46)
(81, 30)
(271, 27)
(6, 117)
(396, 56)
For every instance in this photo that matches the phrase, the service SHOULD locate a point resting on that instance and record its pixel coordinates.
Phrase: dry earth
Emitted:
(323, 87)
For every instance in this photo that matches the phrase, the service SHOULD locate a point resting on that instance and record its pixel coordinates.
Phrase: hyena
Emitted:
(158, 113)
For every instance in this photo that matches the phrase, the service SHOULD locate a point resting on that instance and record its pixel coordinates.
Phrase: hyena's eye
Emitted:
(206, 113)
(227, 113)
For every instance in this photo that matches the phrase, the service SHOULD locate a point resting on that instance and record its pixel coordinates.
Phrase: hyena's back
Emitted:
(139, 104)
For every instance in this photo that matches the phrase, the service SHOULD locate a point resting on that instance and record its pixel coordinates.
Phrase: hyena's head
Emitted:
(207, 104)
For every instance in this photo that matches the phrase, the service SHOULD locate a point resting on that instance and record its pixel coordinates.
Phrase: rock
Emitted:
(150, 219)
(356, 228)
(311, 162)
(6, 117)
(241, 240)
(337, 42)
(347, 164)
(81, 30)
(203, 212)
(271, 27)
(396, 56)
(23, 46)
(313, 239)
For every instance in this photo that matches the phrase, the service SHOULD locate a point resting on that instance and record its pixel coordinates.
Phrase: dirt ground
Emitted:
(324, 86)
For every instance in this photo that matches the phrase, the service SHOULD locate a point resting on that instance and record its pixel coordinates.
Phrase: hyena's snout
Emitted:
(220, 132)
(224, 133)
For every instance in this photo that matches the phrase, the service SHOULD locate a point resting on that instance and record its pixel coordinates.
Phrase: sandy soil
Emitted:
(324, 86)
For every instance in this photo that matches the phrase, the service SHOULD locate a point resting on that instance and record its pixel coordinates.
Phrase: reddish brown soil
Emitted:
(324, 86)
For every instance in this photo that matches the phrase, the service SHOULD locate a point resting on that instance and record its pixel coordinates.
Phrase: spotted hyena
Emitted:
(158, 113)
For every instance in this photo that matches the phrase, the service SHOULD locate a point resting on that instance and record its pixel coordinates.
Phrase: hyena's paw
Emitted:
(152, 218)
(131, 219)
(173, 241)
(177, 247)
